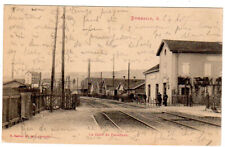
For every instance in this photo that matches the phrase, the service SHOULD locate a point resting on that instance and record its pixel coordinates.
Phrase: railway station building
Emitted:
(185, 68)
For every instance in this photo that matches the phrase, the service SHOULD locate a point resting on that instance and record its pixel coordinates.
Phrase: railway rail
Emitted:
(180, 124)
(193, 119)
(146, 124)
(184, 121)
(112, 102)
(111, 121)
(158, 117)
(104, 122)
(95, 104)
(120, 120)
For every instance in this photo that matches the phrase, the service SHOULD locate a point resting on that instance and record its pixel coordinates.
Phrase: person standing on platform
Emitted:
(165, 97)
(159, 99)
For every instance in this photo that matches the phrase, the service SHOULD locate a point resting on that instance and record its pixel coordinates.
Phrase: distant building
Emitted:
(33, 79)
(179, 61)
(104, 86)
(138, 89)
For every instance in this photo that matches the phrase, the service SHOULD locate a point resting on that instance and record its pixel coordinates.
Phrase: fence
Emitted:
(200, 97)
(56, 101)
(19, 107)
(39, 101)
(198, 91)
(11, 109)
(182, 99)
(20, 104)
(71, 101)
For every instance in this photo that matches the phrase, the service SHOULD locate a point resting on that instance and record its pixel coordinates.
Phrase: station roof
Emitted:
(151, 70)
(182, 46)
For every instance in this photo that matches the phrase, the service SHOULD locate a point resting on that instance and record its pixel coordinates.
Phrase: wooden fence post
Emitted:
(39, 103)
(10, 114)
(7, 110)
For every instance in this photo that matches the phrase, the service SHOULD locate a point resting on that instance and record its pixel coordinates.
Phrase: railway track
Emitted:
(184, 122)
(140, 121)
(121, 121)
(111, 102)
(104, 122)
(157, 121)
(95, 104)
(111, 121)
(124, 105)
(193, 119)
(175, 121)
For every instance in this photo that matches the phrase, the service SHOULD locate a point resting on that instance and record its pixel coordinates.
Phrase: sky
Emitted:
(97, 33)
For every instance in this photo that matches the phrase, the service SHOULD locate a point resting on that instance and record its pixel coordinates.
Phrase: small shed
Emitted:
(12, 87)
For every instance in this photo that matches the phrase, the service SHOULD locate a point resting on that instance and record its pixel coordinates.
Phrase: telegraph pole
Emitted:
(101, 76)
(89, 74)
(63, 54)
(68, 80)
(101, 83)
(12, 69)
(13, 63)
(113, 72)
(77, 85)
(53, 60)
(128, 81)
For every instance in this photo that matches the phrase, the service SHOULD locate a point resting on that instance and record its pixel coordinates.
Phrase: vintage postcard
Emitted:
(112, 75)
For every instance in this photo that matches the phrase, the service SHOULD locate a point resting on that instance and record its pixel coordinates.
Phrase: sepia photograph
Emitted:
(112, 75)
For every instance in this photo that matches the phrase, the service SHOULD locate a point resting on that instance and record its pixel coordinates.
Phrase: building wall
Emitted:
(166, 72)
(192, 65)
(151, 79)
(197, 65)
(174, 75)
(28, 78)
(36, 79)
(197, 68)
(33, 80)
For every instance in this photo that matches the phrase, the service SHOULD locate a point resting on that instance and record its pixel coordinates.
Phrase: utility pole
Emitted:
(63, 54)
(89, 75)
(53, 61)
(101, 76)
(12, 69)
(13, 63)
(74, 82)
(113, 72)
(77, 85)
(40, 80)
(128, 81)
(68, 80)
(100, 84)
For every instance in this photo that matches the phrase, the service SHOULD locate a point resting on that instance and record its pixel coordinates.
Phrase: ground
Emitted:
(111, 122)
